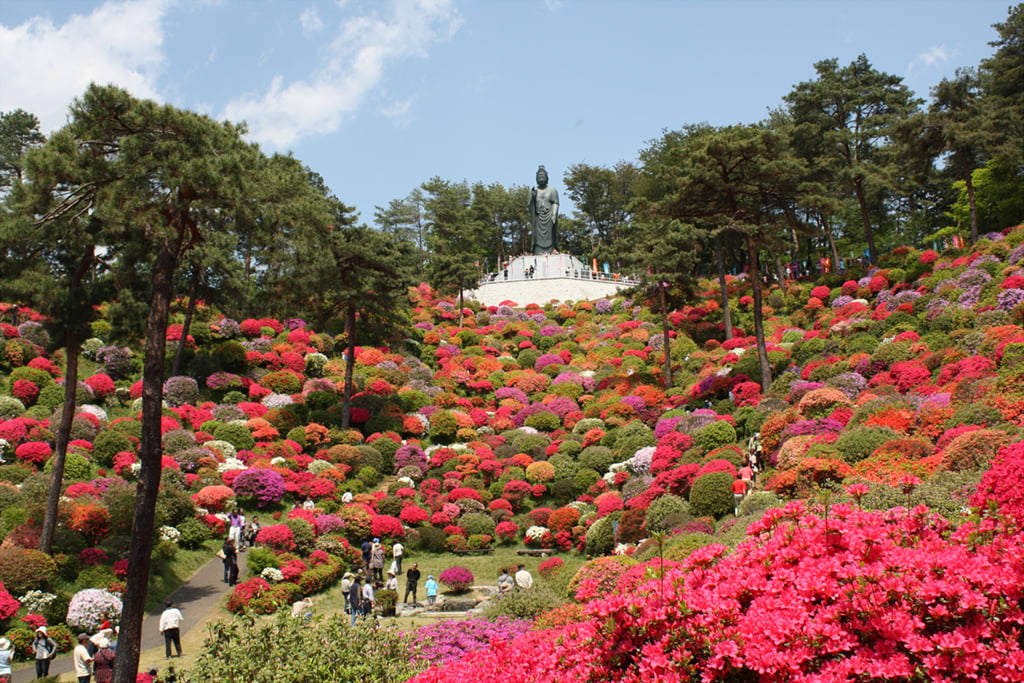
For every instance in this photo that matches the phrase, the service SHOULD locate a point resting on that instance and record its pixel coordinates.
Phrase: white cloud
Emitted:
(933, 56)
(46, 66)
(399, 112)
(354, 64)
(310, 21)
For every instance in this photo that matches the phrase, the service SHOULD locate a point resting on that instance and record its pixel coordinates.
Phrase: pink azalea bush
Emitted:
(892, 596)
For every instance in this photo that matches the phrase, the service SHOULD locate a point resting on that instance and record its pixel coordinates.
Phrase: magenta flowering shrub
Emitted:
(894, 596)
(999, 489)
(411, 455)
(265, 486)
(449, 640)
(456, 578)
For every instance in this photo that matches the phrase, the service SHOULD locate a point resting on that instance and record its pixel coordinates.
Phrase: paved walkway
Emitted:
(197, 599)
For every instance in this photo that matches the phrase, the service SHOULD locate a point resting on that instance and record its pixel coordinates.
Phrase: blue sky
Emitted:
(380, 96)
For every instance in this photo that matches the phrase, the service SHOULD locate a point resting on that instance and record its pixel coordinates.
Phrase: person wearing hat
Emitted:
(431, 587)
(45, 649)
(82, 659)
(106, 633)
(103, 662)
(346, 586)
(392, 583)
(6, 656)
(377, 560)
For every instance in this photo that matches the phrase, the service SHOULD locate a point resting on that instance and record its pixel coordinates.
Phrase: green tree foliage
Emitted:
(844, 120)
(954, 120)
(1002, 83)
(19, 132)
(601, 197)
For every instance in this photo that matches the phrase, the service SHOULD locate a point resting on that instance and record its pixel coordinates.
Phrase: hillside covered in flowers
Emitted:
(882, 539)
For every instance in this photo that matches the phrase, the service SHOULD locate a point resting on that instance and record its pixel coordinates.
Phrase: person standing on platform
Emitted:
(412, 580)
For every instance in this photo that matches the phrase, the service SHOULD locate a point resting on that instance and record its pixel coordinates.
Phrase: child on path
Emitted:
(431, 587)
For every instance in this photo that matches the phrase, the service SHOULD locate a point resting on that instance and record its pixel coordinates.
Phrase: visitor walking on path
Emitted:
(397, 553)
(44, 648)
(170, 627)
(228, 555)
(739, 491)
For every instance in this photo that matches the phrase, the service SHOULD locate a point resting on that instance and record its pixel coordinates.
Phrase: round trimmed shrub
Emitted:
(109, 443)
(714, 435)
(432, 539)
(76, 467)
(457, 579)
(476, 523)
(193, 533)
(858, 443)
(600, 538)
(662, 508)
(597, 458)
(23, 569)
(711, 495)
(236, 434)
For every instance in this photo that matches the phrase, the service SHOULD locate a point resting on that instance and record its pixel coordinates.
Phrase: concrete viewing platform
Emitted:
(543, 278)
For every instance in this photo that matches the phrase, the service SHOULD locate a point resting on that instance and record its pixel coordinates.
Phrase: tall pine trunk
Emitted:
(665, 338)
(762, 348)
(973, 204)
(72, 349)
(126, 665)
(189, 314)
(72, 345)
(350, 365)
(865, 216)
(720, 263)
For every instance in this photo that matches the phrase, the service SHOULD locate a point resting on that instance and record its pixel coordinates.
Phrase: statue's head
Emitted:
(542, 177)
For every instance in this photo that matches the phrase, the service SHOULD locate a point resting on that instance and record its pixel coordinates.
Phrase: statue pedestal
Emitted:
(554, 277)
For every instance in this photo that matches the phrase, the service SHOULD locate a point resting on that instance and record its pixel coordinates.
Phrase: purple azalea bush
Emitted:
(265, 486)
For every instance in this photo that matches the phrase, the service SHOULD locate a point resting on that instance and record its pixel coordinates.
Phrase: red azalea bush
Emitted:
(386, 526)
(276, 537)
(33, 453)
(8, 605)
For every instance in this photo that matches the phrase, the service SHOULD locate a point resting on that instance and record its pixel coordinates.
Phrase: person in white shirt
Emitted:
(523, 578)
(397, 553)
(170, 626)
(82, 659)
(303, 608)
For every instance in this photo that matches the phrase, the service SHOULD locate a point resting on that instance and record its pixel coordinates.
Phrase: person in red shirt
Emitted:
(739, 490)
